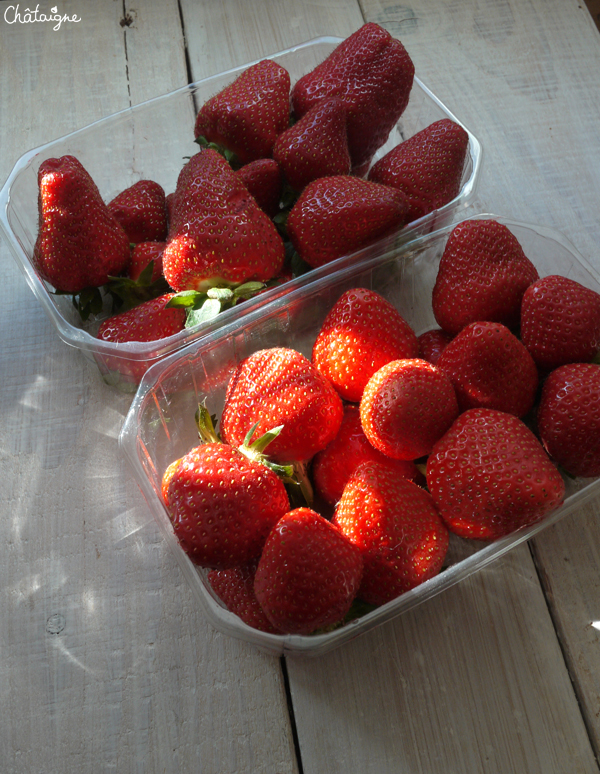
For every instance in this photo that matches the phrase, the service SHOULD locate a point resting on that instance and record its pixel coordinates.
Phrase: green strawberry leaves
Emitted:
(228, 155)
(203, 306)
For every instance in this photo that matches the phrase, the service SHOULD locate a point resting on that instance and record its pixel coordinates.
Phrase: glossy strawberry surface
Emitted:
(264, 180)
(142, 211)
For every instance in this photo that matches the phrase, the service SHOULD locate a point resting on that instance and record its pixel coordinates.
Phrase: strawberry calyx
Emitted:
(203, 306)
(88, 301)
(127, 293)
(229, 156)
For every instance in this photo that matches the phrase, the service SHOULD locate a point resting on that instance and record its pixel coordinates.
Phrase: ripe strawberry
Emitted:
(373, 74)
(218, 234)
(332, 467)
(337, 215)
(489, 367)
(141, 255)
(489, 476)
(315, 146)
(361, 333)
(432, 344)
(80, 244)
(142, 211)
(427, 167)
(406, 407)
(569, 418)
(482, 275)
(397, 528)
(279, 386)
(247, 115)
(264, 180)
(560, 322)
(308, 573)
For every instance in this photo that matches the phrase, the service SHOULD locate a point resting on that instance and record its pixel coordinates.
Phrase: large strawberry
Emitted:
(361, 333)
(337, 215)
(280, 386)
(569, 418)
(489, 476)
(247, 115)
(80, 244)
(406, 407)
(373, 74)
(560, 322)
(142, 211)
(315, 146)
(398, 529)
(264, 179)
(483, 275)
(218, 234)
(427, 167)
(308, 573)
(489, 367)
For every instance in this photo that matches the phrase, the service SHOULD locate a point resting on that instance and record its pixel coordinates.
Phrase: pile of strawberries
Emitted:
(282, 183)
(337, 480)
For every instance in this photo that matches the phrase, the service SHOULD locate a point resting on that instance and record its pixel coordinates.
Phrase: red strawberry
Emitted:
(489, 367)
(482, 275)
(489, 476)
(406, 407)
(247, 115)
(560, 322)
(142, 211)
(142, 254)
(361, 333)
(427, 167)
(264, 180)
(337, 215)
(398, 529)
(432, 344)
(80, 244)
(218, 234)
(308, 573)
(569, 418)
(280, 386)
(315, 146)
(373, 74)
(332, 467)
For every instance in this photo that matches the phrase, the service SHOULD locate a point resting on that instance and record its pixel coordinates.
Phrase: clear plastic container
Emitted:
(152, 140)
(160, 428)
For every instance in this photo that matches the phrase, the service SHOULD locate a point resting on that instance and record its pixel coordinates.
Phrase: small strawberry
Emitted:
(308, 573)
(560, 322)
(427, 167)
(337, 215)
(432, 344)
(80, 244)
(482, 275)
(264, 179)
(142, 254)
(397, 528)
(489, 367)
(142, 211)
(332, 467)
(361, 333)
(373, 74)
(406, 407)
(218, 234)
(247, 115)
(569, 418)
(315, 146)
(489, 476)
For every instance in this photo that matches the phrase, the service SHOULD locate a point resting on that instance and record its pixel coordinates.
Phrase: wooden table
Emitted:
(106, 664)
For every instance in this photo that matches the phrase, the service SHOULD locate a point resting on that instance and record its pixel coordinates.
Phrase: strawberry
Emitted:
(332, 467)
(406, 407)
(218, 234)
(308, 573)
(279, 386)
(141, 255)
(432, 344)
(247, 115)
(489, 367)
(337, 215)
(142, 211)
(373, 74)
(569, 418)
(483, 274)
(489, 476)
(80, 244)
(264, 180)
(560, 322)
(397, 528)
(361, 333)
(427, 167)
(315, 146)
